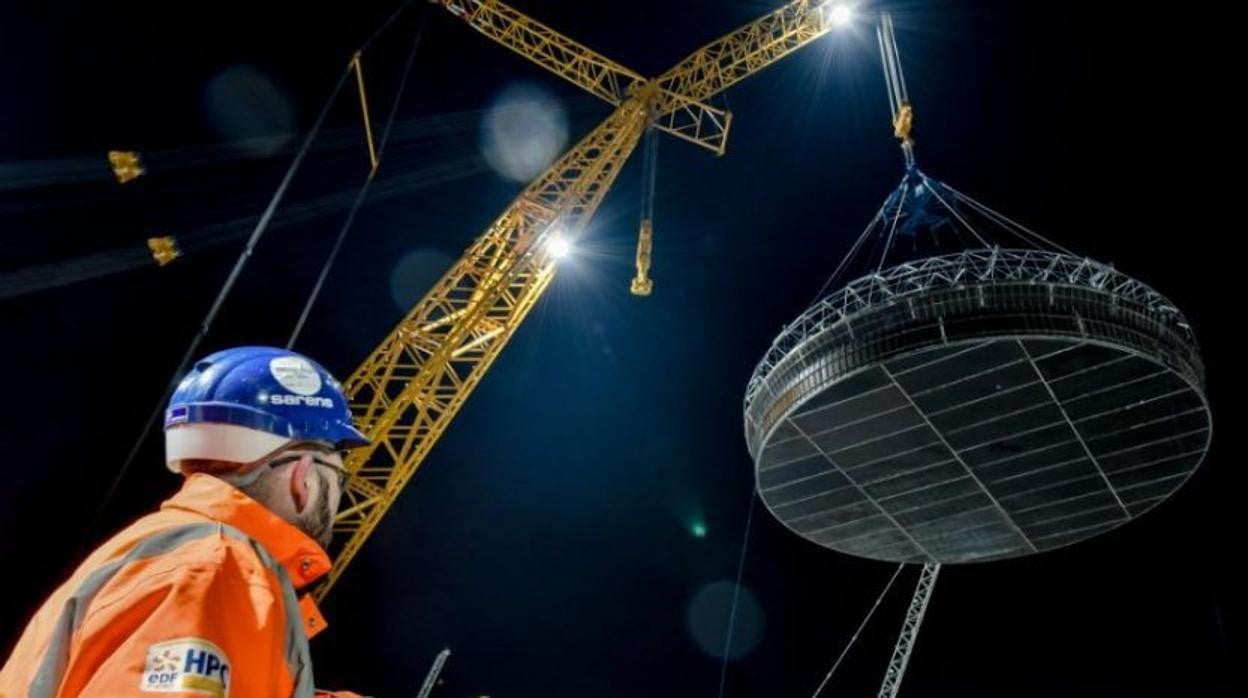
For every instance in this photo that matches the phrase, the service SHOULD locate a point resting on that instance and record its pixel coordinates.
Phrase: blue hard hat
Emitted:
(239, 404)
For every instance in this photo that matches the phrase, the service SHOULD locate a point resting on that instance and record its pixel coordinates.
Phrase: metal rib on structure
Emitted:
(976, 406)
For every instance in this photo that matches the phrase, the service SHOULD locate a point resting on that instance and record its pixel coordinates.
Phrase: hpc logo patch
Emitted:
(186, 665)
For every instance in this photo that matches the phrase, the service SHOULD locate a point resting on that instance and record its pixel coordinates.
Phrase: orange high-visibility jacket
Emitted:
(197, 599)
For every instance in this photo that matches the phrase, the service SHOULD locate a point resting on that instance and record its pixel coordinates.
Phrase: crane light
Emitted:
(559, 246)
(838, 14)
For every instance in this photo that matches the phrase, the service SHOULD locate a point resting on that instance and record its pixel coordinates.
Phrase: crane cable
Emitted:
(736, 593)
(363, 192)
(903, 120)
(1008, 223)
(736, 590)
(853, 252)
(898, 97)
(858, 632)
(642, 284)
(206, 324)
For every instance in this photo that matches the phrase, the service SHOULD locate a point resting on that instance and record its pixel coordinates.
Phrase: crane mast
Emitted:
(405, 394)
(410, 387)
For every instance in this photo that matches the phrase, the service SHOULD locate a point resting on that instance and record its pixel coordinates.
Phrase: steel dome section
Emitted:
(977, 406)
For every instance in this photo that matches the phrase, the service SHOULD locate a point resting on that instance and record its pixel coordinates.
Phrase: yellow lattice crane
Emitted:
(405, 394)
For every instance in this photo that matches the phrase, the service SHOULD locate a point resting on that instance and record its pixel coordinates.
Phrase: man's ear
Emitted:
(300, 473)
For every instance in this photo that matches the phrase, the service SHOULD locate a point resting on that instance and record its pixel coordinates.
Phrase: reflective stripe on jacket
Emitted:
(196, 599)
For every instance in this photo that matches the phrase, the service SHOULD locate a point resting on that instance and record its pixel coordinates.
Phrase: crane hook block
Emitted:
(126, 165)
(642, 285)
(164, 250)
(904, 122)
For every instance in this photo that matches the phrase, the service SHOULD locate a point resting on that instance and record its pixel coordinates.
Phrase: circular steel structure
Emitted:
(978, 406)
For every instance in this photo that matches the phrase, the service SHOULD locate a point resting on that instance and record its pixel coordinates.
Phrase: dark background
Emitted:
(548, 538)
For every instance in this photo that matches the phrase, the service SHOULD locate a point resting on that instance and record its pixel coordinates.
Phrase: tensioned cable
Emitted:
(206, 324)
(736, 592)
(853, 252)
(360, 196)
(858, 632)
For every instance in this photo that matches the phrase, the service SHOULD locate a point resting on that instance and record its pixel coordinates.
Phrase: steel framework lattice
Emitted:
(909, 632)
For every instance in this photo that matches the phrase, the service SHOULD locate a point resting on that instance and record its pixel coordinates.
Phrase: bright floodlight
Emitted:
(839, 14)
(559, 246)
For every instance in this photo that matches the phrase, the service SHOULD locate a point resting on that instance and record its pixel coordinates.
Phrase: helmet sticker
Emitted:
(296, 374)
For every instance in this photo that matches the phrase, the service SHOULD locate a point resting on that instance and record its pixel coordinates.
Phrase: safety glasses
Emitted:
(318, 451)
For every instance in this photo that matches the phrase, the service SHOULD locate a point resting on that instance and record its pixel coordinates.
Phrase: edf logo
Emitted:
(186, 665)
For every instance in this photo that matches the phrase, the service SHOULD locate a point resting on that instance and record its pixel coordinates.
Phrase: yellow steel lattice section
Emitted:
(731, 58)
(684, 118)
(562, 56)
(409, 389)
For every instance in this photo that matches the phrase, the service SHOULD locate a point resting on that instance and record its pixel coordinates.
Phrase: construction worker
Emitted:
(200, 597)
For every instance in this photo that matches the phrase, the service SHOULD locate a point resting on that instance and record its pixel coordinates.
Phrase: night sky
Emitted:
(551, 540)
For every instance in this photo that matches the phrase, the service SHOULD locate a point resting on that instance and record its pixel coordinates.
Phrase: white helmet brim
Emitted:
(218, 442)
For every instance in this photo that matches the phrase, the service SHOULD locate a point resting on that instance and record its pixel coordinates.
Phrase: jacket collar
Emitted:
(304, 559)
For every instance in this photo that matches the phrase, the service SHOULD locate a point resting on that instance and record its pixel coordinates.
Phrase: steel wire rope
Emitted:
(206, 324)
(360, 196)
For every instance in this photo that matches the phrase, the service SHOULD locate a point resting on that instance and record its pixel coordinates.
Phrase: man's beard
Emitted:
(318, 522)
